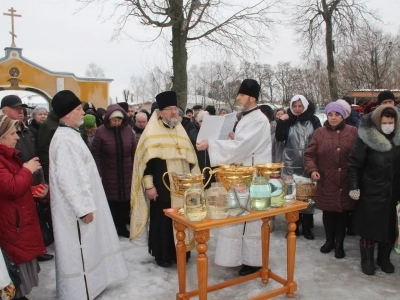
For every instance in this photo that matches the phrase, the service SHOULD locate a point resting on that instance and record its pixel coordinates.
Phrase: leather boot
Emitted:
(305, 227)
(339, 250)
(367, 259)
(384, 251)
(329, 227)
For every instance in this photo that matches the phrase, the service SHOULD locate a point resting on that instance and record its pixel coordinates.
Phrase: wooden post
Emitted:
(265, 238)
(201, 238)
(181, 259)
(291, 218)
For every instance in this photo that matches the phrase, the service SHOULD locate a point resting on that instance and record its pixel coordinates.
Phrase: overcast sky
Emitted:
(58, 36)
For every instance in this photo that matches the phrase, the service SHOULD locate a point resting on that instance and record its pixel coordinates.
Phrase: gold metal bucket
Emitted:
(182, 181)
(228, 175)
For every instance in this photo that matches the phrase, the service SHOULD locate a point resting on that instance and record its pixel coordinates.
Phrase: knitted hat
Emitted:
(38, 110)
(89, 121)
(303, 100)
(165, 99)
(116, 114)
(200, 116)
(250, 87)
(87, 106)
(197, 106)
(385, 95)
(335, 107)
(64, 102)
(5, 125)
(346, 106)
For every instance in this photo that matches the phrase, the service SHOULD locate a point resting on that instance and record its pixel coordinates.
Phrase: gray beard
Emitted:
(172, 123)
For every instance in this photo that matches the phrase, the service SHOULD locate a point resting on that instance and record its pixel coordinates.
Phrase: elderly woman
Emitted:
(113, 150)
(224, 111)
(326, 162)
(374, 177)
(296, 129)
(20, 235)
(39, 115)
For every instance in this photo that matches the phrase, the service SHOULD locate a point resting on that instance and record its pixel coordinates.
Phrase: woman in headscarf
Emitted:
(113, 150)
(296, 129)
(326, 162)
(20, 235)
(374, 176)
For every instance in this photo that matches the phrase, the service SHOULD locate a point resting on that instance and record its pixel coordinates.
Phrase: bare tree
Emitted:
(231, 24)
(371, 62)
(94, 71)
(329, 23)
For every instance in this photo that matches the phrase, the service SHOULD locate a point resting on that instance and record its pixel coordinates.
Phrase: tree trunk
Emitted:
(179, 53)
(333, 89)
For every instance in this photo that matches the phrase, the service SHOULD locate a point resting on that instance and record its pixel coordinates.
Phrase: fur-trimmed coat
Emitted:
(327, 154)
(374, 168)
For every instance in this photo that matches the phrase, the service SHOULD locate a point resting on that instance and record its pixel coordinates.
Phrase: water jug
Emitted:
(217, 201)
(194, 203)
(260, 194)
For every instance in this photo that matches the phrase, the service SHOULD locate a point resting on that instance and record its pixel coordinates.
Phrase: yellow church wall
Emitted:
(95, 91)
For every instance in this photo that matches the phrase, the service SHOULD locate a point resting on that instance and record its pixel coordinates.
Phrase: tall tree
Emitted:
(329, 22)
(231, 24)
(94, 71)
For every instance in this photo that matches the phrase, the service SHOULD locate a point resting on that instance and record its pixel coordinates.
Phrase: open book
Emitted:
(216, 127)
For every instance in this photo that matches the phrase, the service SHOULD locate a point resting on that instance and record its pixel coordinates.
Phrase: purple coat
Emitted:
(327, 154)
(113, 150)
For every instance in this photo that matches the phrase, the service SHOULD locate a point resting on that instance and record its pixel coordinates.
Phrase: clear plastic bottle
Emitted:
(194, 203)
(260, 194)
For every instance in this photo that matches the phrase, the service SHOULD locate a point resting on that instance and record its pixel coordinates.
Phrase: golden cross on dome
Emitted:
(12, 15)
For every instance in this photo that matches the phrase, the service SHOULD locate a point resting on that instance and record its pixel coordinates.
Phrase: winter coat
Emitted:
(374, 169)
(296, 133)
(44, 136)
(327, 154)
(353, 119)
(20, 235)
(113, 150)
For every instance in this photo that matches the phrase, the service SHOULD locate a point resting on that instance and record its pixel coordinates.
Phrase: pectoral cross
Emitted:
(12, 15)
(179, 149)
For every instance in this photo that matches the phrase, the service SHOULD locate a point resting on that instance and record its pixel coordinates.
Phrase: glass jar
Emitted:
(290, 187)
(217, 201)
(278, 191)
(194, 203)
(260, 194)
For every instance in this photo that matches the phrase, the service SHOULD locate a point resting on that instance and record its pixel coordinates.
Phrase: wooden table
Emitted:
(202, 235)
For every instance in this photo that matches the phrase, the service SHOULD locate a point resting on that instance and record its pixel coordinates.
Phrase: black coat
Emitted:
(374, 168)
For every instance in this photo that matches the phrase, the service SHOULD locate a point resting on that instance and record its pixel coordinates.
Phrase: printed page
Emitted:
(216, 127)
(227, 126)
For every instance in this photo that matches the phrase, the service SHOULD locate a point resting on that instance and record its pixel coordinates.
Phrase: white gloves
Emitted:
(354, 194)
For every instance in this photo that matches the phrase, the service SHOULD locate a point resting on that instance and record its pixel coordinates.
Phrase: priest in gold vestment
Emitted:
(164, 146)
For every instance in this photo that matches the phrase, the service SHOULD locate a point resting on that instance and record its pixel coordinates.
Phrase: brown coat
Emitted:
(327, 154)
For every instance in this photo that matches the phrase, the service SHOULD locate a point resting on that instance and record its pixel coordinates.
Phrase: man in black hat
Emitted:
(164, 146)
(87, 245)
(249, 145)
(13, 108)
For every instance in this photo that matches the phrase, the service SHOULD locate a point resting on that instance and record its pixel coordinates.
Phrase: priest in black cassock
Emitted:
(164, 146)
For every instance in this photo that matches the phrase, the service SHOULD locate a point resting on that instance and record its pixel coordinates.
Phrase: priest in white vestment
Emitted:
(249, 145)
(88, 253)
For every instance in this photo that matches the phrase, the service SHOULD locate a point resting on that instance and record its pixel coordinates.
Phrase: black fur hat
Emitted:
(165, 99)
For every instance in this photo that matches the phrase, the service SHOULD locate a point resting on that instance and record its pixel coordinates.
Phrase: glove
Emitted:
(354, 194)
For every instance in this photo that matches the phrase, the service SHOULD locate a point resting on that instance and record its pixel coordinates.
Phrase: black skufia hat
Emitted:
(250, 87)
(385, 95)
(64, 102)
(166, 99)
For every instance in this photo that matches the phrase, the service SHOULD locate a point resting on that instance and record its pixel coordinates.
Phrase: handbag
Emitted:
(46, 224)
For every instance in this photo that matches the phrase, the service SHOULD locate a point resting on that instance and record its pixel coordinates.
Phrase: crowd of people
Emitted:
(101, 171)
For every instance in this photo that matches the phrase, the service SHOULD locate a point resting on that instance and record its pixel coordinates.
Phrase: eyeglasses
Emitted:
(171, 108)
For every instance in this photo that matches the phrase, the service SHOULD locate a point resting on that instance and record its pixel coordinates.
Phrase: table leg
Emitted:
(291, 218)
(265, 237)
(201, 238)
(181, 258)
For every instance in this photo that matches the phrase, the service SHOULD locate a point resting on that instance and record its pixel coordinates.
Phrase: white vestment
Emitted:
(88, 256)
(252, 145)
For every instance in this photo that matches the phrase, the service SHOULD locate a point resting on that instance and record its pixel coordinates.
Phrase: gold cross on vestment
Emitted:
(179, 149)
(12, 15)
